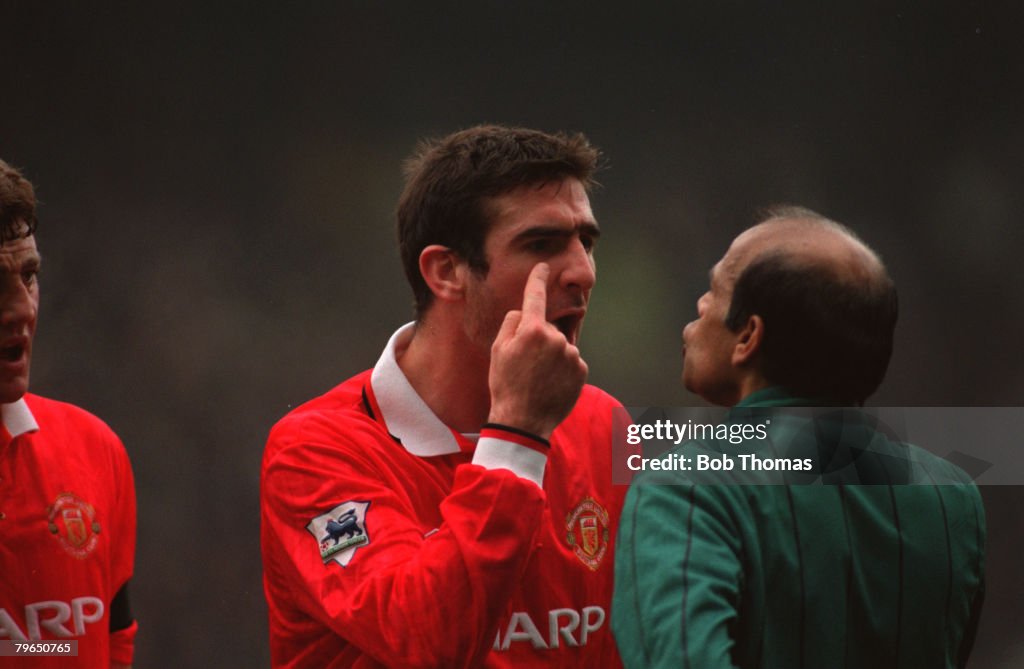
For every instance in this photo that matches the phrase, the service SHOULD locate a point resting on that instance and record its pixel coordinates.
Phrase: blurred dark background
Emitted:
(217, 187)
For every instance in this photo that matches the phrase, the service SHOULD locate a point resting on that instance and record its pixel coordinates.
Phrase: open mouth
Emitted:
(12, 353)
(568, 326)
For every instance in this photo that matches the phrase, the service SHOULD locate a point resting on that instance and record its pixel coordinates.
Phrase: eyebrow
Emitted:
(32, 262)
(550, 231)
(28, 261)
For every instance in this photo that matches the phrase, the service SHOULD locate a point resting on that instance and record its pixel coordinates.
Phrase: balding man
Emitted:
(876, 562)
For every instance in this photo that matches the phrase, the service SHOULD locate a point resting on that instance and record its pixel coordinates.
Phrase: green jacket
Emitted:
(874, 559)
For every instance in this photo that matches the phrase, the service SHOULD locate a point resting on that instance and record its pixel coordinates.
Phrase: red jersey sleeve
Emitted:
(122, 641)
(345, 541)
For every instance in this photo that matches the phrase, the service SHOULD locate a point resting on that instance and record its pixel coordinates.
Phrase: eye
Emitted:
(539, 245)
(30, 276)
(588, 242)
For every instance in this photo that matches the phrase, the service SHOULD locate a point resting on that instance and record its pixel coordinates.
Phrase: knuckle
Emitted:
(538, 330)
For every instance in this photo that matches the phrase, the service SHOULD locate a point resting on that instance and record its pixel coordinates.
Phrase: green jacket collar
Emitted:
(777, 396)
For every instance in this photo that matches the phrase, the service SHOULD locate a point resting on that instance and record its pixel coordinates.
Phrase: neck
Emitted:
(750, 383)
(449, 372)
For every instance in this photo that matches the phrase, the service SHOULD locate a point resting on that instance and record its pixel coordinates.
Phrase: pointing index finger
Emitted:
(535, 294)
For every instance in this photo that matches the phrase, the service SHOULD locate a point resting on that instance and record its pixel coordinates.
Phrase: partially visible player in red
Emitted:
(67, 497)
(453, 506)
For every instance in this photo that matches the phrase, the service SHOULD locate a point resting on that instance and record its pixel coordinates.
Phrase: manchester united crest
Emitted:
(72, 521)
(587, 532)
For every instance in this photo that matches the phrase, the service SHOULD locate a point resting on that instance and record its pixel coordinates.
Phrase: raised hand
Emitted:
(536, 375)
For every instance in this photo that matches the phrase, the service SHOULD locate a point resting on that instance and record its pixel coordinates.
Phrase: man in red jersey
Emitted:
(453, 506)
(67, 497)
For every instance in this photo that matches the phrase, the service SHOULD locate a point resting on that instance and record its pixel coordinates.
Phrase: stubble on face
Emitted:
(483, 316)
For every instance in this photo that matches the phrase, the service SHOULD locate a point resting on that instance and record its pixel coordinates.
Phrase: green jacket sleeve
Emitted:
(678, 577)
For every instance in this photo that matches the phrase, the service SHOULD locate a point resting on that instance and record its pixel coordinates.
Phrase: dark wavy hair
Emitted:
(17, 205)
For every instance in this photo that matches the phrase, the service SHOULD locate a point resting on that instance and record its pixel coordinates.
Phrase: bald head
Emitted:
(810, 241)
(826, 300)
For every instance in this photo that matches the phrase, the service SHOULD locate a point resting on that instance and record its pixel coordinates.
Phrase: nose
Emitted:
(580, 272)
(18, 306)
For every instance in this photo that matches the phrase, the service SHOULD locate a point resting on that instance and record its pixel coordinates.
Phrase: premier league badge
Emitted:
(587, 532)
(341, 531)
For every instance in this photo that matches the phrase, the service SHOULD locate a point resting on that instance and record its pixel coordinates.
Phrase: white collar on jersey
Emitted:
(405, 414)
(18, 418)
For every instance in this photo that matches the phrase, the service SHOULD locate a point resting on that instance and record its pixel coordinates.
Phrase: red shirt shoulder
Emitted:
(54, 415)
(336, 417)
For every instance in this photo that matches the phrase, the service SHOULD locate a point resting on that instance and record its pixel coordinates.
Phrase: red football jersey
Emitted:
(67, 532)
(390, 540)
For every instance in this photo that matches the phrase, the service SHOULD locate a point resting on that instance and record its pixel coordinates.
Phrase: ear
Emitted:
(748, 342)
(444, 272)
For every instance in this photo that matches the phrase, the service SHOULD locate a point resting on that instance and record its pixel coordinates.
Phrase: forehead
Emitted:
(553, 203)
(16, 252)
(749, 244)
(731, 264)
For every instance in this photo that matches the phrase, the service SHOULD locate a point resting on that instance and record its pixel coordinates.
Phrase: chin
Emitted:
(12, 391)
(687, 380)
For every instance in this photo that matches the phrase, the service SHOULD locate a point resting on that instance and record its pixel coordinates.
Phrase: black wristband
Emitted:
(516, 430)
